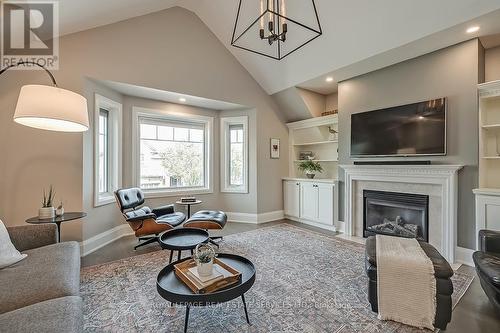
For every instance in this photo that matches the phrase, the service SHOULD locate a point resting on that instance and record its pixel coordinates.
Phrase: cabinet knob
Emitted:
(296, 183)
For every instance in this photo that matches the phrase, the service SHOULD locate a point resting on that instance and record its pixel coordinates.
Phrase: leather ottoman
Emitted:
(442, 272)
(208, 220)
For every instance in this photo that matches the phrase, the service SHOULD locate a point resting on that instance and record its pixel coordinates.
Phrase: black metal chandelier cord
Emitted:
(24, 63)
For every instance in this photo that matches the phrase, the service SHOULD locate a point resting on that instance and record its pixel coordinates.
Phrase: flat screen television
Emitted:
(408, 130)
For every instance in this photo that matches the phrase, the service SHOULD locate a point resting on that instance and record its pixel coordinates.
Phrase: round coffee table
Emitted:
(182, 239)
(69, 216)
(174, 290)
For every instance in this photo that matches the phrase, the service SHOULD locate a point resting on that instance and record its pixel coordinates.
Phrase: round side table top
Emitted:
(69, 216)
(174, 290)
(189, 203)
(183, 238)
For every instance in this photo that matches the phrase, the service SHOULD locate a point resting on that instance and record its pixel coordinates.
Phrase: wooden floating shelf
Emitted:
(493, 126)
(491, 157)
(315, 143)
(298, 161)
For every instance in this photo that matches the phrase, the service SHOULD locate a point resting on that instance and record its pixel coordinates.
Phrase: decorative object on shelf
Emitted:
(306, 155)
(327, 113)
(50, 107)
(334, 135)
(60, 210)
(310, 167)
(204, 255)
(273, 25)
(47, 211)
(275, 148)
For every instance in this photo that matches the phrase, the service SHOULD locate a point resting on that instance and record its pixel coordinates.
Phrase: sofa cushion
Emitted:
(48, 272)
(55, 316)
(8, 253)
(489, 265)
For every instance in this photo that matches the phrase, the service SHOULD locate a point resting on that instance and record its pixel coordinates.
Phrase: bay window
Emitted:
(172, 153)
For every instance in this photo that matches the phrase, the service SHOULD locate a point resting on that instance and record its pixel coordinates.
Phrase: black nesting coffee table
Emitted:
(182, 239)
(174, 290)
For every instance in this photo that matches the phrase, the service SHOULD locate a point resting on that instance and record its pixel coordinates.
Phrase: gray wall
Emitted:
(147, 51)
(452, 72)
(492, 64)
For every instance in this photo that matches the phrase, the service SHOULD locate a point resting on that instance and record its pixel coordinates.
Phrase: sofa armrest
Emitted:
(489, 241)
(27, 237)
(164, 210)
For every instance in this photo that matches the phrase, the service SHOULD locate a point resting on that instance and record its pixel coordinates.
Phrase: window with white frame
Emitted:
(107, 157)
(234, 152)
(172, 153)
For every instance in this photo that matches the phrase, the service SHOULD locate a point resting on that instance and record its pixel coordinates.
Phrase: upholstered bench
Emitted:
(208, 220)
(442, 272)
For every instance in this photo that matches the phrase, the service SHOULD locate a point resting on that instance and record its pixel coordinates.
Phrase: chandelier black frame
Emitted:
(277, 32)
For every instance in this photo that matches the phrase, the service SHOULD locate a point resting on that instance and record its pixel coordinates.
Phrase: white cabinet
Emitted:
(311, 202)
(292, 198)
(487, 210)
(326, 205)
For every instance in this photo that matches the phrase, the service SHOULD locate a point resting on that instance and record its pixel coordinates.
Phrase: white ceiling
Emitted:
(353, 31)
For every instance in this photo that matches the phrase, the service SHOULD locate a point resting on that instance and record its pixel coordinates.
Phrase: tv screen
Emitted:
(407, 130)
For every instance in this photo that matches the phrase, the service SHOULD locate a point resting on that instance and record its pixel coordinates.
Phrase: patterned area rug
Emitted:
(306, 282)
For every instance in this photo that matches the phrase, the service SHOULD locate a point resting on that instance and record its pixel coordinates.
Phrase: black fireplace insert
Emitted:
(396, 214)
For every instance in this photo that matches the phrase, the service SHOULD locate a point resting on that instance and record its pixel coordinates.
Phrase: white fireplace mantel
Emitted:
(445, 176)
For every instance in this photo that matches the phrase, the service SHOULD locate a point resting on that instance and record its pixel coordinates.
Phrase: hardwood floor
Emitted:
(474, 312)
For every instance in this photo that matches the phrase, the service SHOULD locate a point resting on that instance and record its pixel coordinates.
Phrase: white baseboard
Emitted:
(104, 238)
(270, 216)
(255, 218)
(464, 256)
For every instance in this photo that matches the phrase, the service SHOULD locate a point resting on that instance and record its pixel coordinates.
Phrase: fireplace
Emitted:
(396, 214)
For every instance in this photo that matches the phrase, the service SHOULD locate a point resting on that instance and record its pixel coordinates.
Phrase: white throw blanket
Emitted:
(405, 281)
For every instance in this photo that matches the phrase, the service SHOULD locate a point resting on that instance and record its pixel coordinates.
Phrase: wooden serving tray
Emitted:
(181, 271)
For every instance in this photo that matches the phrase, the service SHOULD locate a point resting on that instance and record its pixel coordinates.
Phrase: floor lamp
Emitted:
(50, 107)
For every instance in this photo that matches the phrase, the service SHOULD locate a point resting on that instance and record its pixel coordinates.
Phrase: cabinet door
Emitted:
(325, 204)
(292, 198)
(309, 201)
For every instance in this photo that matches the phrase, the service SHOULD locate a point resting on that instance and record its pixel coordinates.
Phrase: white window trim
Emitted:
(138, 112)
(115, 150)
(225, 122)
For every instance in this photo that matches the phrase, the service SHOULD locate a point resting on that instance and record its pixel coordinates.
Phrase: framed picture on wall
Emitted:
(275, 148)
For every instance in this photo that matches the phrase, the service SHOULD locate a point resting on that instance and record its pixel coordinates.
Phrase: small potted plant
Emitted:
(310, 168)
(47, 211)
(204, 256)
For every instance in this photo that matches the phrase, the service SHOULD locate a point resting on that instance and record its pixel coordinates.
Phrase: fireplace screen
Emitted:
(396, 214)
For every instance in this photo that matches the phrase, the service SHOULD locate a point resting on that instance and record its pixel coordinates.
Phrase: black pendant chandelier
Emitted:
(276, 28)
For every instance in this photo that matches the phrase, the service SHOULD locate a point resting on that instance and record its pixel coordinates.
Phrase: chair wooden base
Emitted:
(147, 240)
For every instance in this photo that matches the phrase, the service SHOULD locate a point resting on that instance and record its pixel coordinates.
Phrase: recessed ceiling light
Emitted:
(473, 29)
(182, 100)
(329, 79)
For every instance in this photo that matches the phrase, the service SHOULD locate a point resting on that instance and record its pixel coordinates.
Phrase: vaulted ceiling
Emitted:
(353, 31)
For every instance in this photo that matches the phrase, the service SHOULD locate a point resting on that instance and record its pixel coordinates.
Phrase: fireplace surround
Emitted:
(439, 181)
(396, 214)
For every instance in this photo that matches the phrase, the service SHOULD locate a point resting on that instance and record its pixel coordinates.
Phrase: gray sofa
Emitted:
(41, 292)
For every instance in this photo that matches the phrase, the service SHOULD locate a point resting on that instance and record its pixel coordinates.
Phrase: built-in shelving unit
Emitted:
(488, 193)
(313, 135)
(489, 135)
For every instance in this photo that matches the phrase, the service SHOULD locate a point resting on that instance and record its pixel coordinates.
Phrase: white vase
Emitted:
(46, 213)
(205, 269)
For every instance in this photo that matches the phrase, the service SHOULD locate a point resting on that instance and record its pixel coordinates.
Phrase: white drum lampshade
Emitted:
(51, 108)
